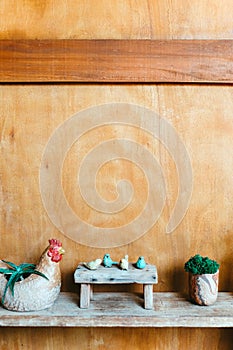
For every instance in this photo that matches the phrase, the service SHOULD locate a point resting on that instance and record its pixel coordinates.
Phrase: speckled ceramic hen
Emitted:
(203, 289)
(34, 292)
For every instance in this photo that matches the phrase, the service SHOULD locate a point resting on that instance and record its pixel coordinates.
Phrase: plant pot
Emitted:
(203, 289)
(30, 294)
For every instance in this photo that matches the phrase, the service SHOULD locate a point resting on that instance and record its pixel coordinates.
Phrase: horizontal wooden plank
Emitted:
(125, 310)
(116, 61)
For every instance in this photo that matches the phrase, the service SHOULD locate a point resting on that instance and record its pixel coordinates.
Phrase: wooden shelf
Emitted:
(125, 310)
(116, 61)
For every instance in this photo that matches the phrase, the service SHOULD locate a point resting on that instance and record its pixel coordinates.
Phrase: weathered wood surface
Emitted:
(114, 275)
(124, 310)
(148, 296)
(85, 295)
(116, 61)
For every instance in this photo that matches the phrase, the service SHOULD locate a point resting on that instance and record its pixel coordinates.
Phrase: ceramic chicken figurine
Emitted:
(41, 288)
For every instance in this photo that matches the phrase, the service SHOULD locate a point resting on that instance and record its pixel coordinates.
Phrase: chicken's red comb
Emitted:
(55, 242)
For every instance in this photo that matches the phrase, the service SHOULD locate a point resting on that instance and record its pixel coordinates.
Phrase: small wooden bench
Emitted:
(114, 275)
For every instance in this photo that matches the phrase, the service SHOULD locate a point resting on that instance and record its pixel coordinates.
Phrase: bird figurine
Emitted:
(38, 287)
(93, 265)
(107, 261)
(140, 264)
(124, 264)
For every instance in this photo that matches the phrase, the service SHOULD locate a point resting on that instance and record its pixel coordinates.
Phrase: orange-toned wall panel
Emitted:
(115, 19)
(202, 115)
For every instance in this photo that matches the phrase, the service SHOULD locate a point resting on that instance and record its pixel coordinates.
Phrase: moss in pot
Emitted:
(203, 279)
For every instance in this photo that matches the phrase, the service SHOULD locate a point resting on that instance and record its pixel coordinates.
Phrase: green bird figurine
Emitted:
(140, 264)
(107, 261)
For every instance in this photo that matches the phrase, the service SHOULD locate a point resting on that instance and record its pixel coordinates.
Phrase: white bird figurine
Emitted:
(124, 264)
(93, 265)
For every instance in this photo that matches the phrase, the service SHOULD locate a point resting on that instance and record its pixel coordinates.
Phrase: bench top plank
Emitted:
(114, 275)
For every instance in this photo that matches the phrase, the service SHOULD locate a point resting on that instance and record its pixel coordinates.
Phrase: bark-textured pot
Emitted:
(203, 289)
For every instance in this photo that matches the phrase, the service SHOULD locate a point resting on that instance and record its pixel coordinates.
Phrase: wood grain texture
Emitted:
(201, 115)
(87, 278)
(116, 61)
(125, 310)
(114, 275)
(148, 296)
(85, 290)
(116, 19)
(47, 338)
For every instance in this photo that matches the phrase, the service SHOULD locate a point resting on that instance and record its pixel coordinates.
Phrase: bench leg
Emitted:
(85, 294)
(91, 291)
(148, 296)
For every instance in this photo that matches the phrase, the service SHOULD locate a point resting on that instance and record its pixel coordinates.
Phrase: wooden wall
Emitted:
(201, 115)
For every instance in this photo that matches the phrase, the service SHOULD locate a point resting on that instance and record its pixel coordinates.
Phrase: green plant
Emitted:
(17, 273)
(199, 265)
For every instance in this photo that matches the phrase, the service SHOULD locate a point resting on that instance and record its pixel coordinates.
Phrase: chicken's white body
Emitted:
(34, 292)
